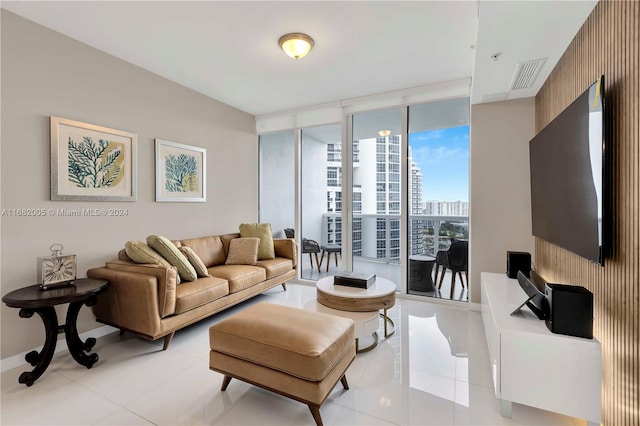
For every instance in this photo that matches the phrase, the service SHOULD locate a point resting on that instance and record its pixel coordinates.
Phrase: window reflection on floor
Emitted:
(437, 357)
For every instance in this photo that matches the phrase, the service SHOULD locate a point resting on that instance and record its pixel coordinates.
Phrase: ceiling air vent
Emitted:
(526, 73)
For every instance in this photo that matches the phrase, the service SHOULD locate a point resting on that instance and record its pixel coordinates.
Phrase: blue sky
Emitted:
(443, 157)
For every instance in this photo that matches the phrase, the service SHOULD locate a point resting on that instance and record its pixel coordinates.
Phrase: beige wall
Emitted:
(500, 211)
(44, 74)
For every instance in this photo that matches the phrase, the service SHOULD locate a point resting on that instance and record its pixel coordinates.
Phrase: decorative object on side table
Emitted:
(57, 269)
(32, 300)
(92, 163)
(354, 279)
(181, 172)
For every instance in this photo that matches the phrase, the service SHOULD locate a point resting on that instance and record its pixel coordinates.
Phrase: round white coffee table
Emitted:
(365, 324)
(348, 301)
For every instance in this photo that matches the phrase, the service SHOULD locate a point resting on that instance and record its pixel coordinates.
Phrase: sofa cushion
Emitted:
(276, 267)
(141, 252)
(195, 261)
(196, 293)
(262, 231)
(208, 249)
(172, 254)
(239, 276)
(243, 251)
(122, 255)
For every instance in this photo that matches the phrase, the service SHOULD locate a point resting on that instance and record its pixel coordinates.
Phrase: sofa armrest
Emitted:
(130, 302)
(126, 274)
(286, 247)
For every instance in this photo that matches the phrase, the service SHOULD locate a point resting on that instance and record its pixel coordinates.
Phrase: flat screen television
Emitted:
(568, 185)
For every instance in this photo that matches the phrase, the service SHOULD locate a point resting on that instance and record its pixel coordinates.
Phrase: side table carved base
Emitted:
(41, 359)
(77, 347)
(32, 300)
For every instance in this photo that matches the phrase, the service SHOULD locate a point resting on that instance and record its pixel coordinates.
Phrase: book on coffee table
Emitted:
(354, 279)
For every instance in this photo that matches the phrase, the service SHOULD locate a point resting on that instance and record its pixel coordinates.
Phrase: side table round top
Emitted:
(380, 295)
(382, 287)
(422, 258)
(34, 297)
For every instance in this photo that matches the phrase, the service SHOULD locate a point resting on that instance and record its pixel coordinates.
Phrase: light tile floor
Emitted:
(433, 371)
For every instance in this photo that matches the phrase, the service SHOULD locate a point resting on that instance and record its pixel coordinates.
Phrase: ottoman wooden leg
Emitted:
(315, 409)
(225, 383)
(315, 412)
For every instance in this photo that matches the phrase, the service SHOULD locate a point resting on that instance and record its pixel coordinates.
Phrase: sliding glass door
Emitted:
(376, 198)
(321, 200)
(438, 158)
(385, 203)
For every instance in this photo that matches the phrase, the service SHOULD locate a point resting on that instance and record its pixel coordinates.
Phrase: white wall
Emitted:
(277, 181)
(500, 200)
(44, 74)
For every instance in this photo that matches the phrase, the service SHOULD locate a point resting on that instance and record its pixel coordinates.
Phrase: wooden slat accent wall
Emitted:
(608, 44)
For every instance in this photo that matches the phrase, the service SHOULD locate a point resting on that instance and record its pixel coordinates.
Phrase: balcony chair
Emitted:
(308, 246)
(455, 258)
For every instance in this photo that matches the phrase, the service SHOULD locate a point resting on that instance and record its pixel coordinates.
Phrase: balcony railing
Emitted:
(434, 233)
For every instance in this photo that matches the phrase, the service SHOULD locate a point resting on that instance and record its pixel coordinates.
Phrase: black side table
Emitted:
(32, 300)
(420, 268)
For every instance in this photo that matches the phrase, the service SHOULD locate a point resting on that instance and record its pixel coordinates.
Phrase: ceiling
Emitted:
(228, 50)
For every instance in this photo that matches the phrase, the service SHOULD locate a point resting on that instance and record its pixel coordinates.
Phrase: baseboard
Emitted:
(475, 307)
(18, 360)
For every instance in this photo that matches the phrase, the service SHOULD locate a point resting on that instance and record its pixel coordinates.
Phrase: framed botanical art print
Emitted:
(91, 163)
(181, 172)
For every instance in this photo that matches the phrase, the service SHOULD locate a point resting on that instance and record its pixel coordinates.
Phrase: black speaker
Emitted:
(518, 261)
(570, 310)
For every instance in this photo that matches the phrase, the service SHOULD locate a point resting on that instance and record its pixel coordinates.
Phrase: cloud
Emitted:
(431, 135)
(442, 145)
(443, 157)
(433, 154)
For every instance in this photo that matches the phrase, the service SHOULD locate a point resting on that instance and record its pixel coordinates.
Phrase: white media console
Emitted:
(533, 366)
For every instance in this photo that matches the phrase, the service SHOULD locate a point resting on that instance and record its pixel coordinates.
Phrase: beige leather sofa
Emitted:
(146, 299)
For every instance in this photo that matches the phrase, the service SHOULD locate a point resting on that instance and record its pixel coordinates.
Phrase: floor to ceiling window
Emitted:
(376, 206)
(438, 197)
(386, 201)
(321, 200)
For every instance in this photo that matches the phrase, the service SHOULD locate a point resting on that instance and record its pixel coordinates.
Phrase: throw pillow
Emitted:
(262, 231)
(195, 261)
(170, 252)
(140, 252)
(243, 251)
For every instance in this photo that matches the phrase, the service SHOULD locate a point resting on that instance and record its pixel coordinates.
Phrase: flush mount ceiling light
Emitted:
(296, 45)
(384, 133)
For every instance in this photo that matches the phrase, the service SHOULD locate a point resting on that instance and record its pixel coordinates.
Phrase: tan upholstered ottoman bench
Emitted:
(296, 353)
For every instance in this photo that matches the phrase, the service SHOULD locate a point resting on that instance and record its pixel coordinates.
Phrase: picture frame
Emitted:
(181, 172)
(92, 163)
